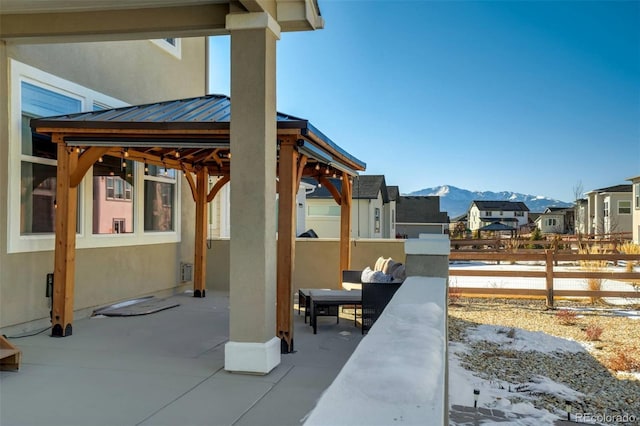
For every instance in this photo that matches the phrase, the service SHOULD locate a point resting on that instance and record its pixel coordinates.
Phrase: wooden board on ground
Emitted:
(9, 355)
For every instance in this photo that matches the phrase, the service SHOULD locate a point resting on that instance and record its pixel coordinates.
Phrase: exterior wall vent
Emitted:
(186, 272)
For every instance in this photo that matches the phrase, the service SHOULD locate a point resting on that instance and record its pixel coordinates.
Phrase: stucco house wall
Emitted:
(611, 210)
(109, 268)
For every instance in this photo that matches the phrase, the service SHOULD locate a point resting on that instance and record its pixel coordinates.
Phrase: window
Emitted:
(170, 45)
(159, 199)
(376, 222)
(624, 207)
(606, 209)
(519, 214)
(108, 202)
(119, 226)
(488, 214)
(323, 210)
(637, 192)
(551, 222)
(113, 194)
(38, 158)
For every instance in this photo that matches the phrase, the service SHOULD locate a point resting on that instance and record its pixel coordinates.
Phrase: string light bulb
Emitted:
(146, 169)
(326, 171)
(317, 166)
(126, 152)
(100, 160)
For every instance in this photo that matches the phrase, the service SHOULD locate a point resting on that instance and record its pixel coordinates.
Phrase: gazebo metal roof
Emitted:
(185, 129)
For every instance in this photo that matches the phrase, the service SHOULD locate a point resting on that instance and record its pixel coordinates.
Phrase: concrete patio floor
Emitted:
(167, 368)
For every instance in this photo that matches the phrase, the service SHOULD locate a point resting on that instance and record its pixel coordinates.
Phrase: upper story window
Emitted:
(606, 209)
(624, 207)
(488, 214)
(518, 213)
(637, 192)
(170, 45)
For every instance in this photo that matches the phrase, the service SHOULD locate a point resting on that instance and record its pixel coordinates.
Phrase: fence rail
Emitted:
(550, 258)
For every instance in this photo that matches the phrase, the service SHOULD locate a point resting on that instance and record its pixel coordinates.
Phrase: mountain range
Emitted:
(456, 201)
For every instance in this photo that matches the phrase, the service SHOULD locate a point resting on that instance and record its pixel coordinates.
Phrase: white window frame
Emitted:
(637, 195)
(619, 207)
(174, 50)
(17, 243)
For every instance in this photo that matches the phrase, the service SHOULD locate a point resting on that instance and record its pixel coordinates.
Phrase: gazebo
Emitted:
(193, 137)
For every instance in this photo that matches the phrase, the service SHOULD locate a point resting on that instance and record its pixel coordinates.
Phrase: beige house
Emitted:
(610, 210)
(116, 203)
(635, 219)
(551, 222)
(372, 214)
(59, 57)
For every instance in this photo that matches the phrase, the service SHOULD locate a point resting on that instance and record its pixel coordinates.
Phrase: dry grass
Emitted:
(630, 248)
(594, 284)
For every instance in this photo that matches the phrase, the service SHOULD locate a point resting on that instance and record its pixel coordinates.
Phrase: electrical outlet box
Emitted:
(49, 287)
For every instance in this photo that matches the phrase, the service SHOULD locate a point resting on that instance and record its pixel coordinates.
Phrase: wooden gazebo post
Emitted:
(288, 188)
(65, 248)
(345, 225)
(200, 258)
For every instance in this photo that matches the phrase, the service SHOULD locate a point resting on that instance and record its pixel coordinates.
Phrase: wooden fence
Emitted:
(550, 259)
(558, 242)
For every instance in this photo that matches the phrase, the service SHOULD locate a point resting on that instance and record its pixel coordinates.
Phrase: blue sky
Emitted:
(531, 97)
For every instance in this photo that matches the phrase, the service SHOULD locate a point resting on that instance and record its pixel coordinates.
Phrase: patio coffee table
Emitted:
(303, 300)
(327, 303)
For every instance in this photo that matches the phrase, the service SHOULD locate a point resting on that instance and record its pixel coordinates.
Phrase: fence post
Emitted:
(549, 271)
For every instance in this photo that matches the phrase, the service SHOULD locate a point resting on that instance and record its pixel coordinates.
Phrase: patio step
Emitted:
(9, 355)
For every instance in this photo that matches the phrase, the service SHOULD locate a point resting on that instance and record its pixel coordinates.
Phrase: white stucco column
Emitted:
(253, 346)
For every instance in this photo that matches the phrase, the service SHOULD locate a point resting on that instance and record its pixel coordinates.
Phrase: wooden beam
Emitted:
(286, 243)
(302, 162)
(65, 246)
(85, 161)
(200, 260)
(345, 226)
(217, 187)
(192, 184)
(332, 189)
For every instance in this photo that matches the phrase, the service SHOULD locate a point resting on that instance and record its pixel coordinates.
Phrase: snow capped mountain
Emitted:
(455, 201)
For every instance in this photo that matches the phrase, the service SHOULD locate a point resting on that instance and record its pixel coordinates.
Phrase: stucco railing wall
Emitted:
(317, 260)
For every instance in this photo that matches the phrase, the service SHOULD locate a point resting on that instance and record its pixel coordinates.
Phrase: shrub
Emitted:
(624, 359)
(593, 332)
(566, 317)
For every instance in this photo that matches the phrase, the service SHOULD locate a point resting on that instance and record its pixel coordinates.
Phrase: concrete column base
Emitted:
(252, 358)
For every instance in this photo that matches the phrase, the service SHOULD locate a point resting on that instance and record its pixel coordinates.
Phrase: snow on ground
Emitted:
(497, 394)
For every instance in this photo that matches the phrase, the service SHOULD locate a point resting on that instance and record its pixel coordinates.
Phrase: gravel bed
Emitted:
(604, 390)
